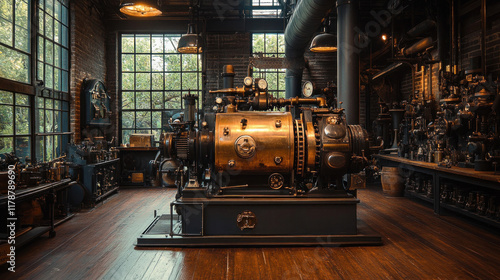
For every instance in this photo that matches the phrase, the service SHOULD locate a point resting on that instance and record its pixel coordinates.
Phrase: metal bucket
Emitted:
(392, 182)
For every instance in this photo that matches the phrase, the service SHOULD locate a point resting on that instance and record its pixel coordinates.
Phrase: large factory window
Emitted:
(153, 78)
(15, 40)
(51, 124)
(266, 8)
(270, 45)
(15, 124)
(52, 58)
(52, 106)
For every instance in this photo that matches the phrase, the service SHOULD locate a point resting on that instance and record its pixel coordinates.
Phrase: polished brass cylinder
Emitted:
(254, 143)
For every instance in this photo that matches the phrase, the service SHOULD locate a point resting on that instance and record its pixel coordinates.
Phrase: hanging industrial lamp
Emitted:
(324, 42)
(141, 8)
(190, 42)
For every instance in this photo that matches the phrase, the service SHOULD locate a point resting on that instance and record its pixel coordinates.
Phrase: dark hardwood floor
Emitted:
(98, 244)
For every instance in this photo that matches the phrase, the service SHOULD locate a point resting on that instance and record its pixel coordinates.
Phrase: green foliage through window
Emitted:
(15, 124)
(15, 40)
(51, 56)
(153, 78)
(270, 45)
(53, 45)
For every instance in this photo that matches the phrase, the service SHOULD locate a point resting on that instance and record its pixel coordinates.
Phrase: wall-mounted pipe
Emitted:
(304, 22)
(387, 70)
(421, 28)
(483, 36)
(348, 59)
(417, 47)
(443, 31)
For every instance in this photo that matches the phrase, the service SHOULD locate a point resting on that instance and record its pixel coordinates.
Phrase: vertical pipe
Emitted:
(348, 59)
(443, 33)
(483, 36)
(34, 16)
(454, 60)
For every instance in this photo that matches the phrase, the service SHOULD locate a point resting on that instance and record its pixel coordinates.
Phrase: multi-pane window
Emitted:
(53, 43)
(51, 56)
(266, 8)
(270, 45)
(52, 106)
(154, 76)
(15, 124)
(51, 124)
(15, 40)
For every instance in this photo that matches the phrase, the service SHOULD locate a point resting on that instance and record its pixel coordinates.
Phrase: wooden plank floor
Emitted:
(417, 245)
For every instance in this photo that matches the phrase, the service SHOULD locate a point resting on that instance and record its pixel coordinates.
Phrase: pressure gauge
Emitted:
(248, 81)
(307, 89)
(262, 84)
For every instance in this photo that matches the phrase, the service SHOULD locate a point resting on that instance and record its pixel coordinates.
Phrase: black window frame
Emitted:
(279, 80)
(155, 112)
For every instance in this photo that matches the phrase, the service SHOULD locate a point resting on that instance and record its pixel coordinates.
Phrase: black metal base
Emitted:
(259, 222)
(156, 236)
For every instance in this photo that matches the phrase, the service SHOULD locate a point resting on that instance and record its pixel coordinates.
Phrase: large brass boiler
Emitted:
(254, 143)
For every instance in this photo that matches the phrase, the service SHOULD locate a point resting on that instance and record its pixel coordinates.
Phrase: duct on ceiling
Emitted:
(305, 20)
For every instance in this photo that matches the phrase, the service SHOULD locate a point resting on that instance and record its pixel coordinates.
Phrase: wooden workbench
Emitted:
(48, 191)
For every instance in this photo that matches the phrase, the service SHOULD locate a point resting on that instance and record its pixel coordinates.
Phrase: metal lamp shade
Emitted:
(324, 43)
(142, 8)
(190, 42)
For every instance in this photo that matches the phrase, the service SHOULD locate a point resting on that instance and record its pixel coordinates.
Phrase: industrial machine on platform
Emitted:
(247, 175)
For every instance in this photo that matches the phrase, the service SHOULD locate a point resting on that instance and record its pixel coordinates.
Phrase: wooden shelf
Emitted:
(480, 179)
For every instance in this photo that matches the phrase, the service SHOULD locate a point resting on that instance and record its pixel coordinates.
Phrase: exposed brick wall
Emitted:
(469, 47)
(321, 68)
(112, 80)
(87, 55)
(224, 49)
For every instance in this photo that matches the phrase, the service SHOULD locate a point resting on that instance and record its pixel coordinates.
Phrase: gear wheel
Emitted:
(299, 147)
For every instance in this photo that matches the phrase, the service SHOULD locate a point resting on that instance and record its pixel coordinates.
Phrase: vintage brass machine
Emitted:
(249, 174)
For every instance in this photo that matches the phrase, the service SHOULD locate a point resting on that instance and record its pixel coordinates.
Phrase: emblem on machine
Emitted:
(276, 181)
(246, 219)
(245, 146)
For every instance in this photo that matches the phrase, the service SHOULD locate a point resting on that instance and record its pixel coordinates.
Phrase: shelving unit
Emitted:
(480, 179)
(100, 179)
(51, 193)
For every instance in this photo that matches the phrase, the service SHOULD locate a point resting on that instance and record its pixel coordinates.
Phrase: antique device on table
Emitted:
(95, 166)
(31, 173)
(40, 196)
(247, 175)
(136, 168)
(464, 131)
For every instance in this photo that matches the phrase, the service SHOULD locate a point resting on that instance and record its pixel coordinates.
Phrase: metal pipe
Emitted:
(454, 53)
(348, 59)
(304, 22)
(421, 28)
(443, 30)
(417, 47)
(228, 76)
(483, 36)
(387, 70)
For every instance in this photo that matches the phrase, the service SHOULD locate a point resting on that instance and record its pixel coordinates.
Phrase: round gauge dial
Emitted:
(248, 81)
(262, 84)
(307, 89)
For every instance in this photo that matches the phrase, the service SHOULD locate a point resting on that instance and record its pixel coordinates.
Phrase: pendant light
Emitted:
(190, 42)
(324, 42)
(140, 8)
